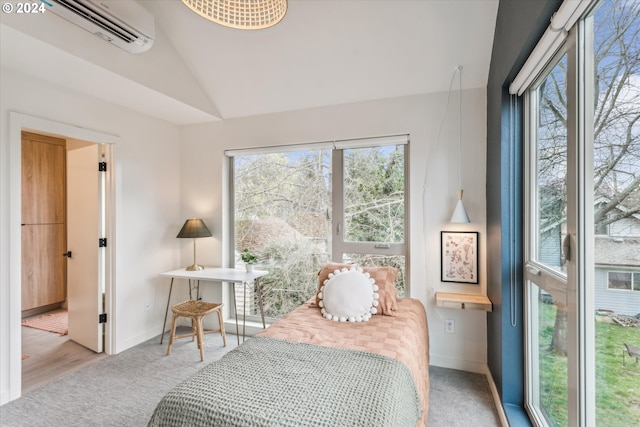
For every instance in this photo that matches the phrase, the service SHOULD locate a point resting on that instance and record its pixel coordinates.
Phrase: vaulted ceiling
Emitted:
(324, 52)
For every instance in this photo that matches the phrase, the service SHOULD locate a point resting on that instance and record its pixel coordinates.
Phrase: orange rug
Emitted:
(56, 322)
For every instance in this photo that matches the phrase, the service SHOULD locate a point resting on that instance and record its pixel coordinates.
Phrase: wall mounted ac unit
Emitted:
(125, 24)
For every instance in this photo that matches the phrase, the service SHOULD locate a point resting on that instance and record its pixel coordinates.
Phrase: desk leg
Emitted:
(244, 309)
(260, 304)
(166, 311)
(235, 309)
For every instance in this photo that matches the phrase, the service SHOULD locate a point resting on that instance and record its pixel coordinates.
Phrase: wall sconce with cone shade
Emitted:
(460, 213)
(240, 14)
(194, 229)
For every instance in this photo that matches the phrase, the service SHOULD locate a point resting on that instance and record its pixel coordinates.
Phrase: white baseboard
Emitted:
(496, 399)
(459, 364)
(138, 339)
(5, 396)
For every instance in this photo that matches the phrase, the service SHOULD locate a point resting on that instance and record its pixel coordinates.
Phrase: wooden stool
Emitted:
(195, 310)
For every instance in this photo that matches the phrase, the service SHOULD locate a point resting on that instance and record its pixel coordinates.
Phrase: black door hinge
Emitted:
(102, 242)
(102, 166)
(102, 318)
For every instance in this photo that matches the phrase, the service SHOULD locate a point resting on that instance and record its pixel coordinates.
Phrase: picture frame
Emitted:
(459, 256)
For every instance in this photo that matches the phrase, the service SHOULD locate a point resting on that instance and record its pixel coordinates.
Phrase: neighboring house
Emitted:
(617, 263)
(617, 275)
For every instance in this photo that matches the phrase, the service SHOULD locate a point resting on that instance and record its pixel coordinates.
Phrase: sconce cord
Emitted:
(434, 149)
(459, 70)
(444, 116)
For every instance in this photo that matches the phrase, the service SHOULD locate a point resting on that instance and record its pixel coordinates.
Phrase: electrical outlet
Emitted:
(450, 326)
(147, 306)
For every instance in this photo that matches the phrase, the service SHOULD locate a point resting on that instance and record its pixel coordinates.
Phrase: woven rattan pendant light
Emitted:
(241, 14)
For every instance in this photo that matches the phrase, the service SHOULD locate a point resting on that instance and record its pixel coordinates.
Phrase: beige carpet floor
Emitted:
(123, 390)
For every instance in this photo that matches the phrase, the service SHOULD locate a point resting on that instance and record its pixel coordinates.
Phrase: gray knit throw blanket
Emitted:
(272, 382)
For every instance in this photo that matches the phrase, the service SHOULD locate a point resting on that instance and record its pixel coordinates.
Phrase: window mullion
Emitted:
(337, 202)
(585, 210)
(574, 371)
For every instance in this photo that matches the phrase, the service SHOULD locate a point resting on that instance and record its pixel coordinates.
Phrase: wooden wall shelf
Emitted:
(463, 301)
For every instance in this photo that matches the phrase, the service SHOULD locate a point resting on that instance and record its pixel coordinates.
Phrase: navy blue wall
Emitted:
(519, 26)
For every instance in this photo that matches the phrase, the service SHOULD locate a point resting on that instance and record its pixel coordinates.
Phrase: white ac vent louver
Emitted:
(125, 24)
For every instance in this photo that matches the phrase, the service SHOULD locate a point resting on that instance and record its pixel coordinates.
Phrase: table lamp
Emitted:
(193, 229)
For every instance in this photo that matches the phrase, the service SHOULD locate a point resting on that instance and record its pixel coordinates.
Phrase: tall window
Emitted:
(301, 206)
(547, 219)
(583, 223)
(613, 31)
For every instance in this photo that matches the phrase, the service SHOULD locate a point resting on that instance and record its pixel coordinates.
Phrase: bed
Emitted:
(306, 370)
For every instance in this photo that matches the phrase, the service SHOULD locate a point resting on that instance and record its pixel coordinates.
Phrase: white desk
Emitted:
(214, 274)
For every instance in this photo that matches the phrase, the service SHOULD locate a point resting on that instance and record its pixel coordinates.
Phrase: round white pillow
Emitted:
(348, 295)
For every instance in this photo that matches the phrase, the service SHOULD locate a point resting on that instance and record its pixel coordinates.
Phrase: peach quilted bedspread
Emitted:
(404, 337)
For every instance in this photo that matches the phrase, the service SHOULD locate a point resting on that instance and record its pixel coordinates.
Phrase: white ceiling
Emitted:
(324, 52)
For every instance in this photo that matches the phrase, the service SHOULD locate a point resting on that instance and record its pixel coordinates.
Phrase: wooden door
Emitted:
(43, 220)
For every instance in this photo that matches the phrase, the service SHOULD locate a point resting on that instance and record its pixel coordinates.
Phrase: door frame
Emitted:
(17, 123)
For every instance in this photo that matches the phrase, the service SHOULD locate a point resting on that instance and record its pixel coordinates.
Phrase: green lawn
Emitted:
(617, 386)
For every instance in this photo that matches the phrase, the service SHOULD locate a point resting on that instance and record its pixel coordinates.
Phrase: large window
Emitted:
(301, 206)
(583, 220)
(547, 219)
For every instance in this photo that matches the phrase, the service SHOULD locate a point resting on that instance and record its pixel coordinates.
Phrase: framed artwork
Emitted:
(459, 255)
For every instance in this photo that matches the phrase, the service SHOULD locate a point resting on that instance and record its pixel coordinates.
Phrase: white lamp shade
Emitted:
(460, 213)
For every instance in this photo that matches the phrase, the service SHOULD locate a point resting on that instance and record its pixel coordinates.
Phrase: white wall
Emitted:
(47, 41)
(204, 184)
(159, 183)
(147, 180)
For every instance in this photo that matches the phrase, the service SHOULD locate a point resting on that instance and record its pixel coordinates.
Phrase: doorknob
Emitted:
(67, 254)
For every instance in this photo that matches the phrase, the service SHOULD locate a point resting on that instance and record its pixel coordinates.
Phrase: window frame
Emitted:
(580, 299)
(338, 246)
(538, 276)
(635, 280)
